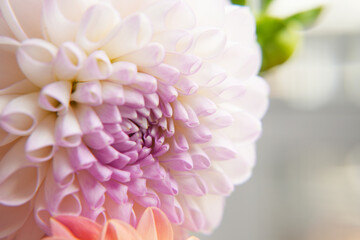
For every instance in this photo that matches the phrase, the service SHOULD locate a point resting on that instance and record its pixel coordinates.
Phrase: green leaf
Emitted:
(278, 40)
(239, 2)
(305, 18)
(265, 4)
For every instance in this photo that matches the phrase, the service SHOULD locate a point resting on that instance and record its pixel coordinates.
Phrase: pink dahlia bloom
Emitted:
(153, 225)
(109, 107)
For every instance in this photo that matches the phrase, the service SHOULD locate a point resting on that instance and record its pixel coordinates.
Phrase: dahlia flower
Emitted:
(153, 225)
(110, 107)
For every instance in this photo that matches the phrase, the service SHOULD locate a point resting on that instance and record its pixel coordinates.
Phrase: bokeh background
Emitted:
(306, 184)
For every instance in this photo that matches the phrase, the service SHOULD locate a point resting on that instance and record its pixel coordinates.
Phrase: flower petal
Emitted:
(40, 146)
(21, 115)
(56, 26)
(133, 34)
(118, 230)
(55, 97)
(80, 227)
(96, 24)
(35, 58)
(154, 225)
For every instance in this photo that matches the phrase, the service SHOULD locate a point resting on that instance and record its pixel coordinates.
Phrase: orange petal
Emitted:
(58, 238)
(193, 238)
(59, 230)
(81, 227)
(117, 230)
(154, 225)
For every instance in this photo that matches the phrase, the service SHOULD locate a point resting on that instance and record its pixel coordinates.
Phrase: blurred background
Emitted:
(306, 184)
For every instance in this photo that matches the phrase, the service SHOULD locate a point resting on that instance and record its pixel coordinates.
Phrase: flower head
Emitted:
(110, 107)
(153, 225)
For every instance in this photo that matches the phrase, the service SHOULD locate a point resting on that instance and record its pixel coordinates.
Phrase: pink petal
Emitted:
(172, 208)
(112, 93)
(88, 119)
(166, 74)
(145, 83)
(92, 190)
(97, 66)
(81, 157)
(88, 93)
(190, 183)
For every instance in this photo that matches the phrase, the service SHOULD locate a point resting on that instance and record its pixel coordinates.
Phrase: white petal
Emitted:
(30, 230)
(11, 20)
(21, 115)
(67, 130)
(57, 27)
(19, 178)
(55, 97)
(20, 87)
(187, 64)
(30, 21)
(35, 58)
(40, 146)
(212, 207)
(10, 71)
(9, 44)
(209, 75)
(211, 15)
(95, 26)
(165, 14)
(175, 40)
(240, 24)
(209, 43)
(15, 218)
(255, 99)
(68, 61)
(246, 128)
(151, 55)
(133, 34)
